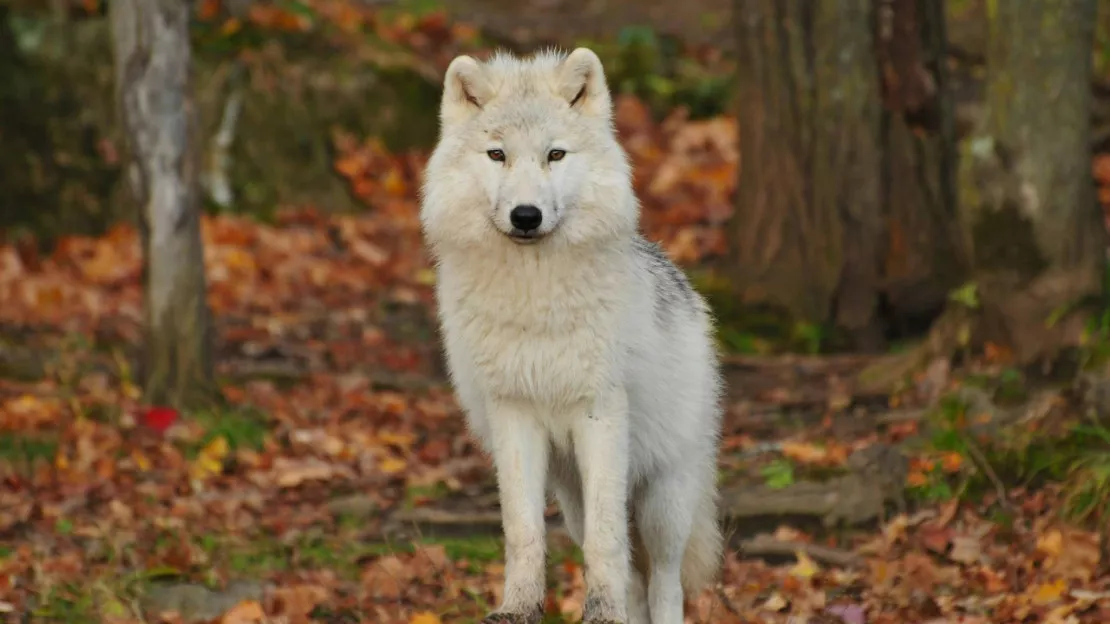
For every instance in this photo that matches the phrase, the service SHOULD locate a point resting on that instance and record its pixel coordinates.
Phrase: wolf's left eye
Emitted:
(556, 154)
(496, 155)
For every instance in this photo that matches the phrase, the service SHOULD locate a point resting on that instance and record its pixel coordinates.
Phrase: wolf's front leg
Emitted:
(601, 447)
(520, 449)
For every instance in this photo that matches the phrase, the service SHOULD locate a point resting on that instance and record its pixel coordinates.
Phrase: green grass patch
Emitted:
(480, 549)
(68, 603)
(24, 451)
(1074, 453)
(242, 427)
(419, 494)
(778, 474)
(257, 557)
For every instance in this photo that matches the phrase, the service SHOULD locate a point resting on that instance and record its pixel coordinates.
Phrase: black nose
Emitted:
(526, 217)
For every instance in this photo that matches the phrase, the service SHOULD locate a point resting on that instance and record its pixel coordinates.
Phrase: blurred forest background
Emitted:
(221, 393)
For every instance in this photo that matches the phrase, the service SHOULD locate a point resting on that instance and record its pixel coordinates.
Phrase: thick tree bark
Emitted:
(924, 258)
(841, 204)
(799, 166)
(1026, 191)
(846, 158)
(153, 58)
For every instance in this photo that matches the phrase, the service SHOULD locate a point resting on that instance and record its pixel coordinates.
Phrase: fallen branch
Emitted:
(808, 364)
(431, 520)
(894, 417)
(767, 546)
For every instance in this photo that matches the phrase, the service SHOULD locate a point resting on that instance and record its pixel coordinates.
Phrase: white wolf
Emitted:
(582, 357)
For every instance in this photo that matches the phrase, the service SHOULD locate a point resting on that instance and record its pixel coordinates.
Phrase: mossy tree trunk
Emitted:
(1026, 189)
(153, 58)
(841, 200)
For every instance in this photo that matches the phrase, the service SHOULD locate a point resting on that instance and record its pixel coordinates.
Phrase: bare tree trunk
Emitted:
(1026, 190)
(786, 234)
(845, 209)
(924, 259)
(153, 58)
(847, 155)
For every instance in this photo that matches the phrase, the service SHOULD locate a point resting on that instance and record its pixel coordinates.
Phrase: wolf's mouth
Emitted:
(524, 238)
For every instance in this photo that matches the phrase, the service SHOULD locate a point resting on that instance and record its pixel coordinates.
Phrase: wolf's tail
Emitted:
(702, 560)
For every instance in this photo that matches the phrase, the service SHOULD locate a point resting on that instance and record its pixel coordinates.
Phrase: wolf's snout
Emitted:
(526, 217)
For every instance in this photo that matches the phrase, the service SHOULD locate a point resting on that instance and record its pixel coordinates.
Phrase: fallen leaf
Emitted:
(804, 453)
(806, 567)
(1047, 593)
(297, 602)
(392, 465)
(386, 578)
(290, 473)
(775, 602)
(160, 418)
(848, 613)
(246, 612)
(210, 460)
(966, 549)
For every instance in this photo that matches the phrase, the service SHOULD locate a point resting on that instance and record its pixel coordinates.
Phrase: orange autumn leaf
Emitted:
(804, 452)
(951, 462)
(231, 26)
(246, 612)
(1047, 593)
(1100, 167)
(209, 9)
(349, 166)
(916, 478)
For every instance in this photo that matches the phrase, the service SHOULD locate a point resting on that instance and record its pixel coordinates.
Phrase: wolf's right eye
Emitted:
(496, 155)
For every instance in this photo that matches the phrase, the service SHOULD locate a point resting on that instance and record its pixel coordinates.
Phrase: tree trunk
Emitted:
(1026, 190)
(844, 207)
(924, 258)
(153, 57)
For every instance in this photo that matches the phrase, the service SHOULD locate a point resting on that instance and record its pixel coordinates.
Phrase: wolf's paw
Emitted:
(599, 610)
(532, 617)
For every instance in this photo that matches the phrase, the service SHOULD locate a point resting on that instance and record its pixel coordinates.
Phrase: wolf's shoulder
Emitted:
(671, 288)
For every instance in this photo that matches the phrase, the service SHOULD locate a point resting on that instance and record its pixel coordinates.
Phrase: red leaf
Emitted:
(160, 418)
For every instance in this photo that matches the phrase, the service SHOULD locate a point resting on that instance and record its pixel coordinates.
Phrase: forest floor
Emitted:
(335, 482)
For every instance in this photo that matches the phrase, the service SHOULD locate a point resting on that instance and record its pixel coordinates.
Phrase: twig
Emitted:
(726, 601)
(980, 460)
(430, 516)
(764, 545)
(812, 363)
(902, 415)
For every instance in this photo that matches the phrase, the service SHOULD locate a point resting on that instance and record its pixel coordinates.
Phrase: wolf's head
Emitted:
(527, 154)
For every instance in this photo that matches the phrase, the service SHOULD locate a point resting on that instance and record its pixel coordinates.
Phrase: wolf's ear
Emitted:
(582, 82)
(466, 90)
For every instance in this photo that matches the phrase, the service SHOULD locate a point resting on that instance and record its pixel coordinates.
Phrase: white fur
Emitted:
(583, 361)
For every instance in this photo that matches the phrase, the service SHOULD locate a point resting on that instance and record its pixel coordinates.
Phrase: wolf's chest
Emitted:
(550, 349)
